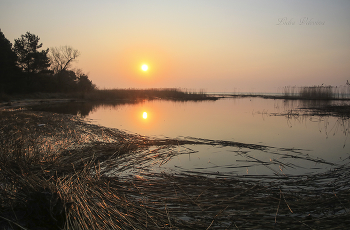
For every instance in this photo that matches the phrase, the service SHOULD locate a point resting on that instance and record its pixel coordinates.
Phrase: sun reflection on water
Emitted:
(144, 115)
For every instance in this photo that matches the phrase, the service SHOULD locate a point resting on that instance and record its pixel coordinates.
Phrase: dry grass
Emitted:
(58, 176)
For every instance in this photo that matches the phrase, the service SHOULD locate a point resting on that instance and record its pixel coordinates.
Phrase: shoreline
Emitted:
(23, 103)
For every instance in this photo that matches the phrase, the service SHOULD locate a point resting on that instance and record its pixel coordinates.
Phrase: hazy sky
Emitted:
(216, 45)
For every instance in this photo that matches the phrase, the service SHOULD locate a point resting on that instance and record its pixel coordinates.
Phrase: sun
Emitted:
(144, 67)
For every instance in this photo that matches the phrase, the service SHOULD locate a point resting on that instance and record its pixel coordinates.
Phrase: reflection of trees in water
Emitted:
(79, 108)
(84, 108)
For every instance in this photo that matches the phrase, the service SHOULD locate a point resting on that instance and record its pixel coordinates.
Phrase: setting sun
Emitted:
(144, 67)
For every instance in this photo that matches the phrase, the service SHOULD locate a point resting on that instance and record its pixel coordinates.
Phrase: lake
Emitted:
(262, 136)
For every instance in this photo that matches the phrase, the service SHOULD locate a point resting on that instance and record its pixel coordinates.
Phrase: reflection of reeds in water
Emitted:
(56, 176)
(118, 97)
(81, 109)
(317, 92)
(321, 112)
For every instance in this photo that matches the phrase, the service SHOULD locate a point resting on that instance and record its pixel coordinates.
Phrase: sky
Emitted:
(215, 46)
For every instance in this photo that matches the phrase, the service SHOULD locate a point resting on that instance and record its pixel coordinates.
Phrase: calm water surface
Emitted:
(244, 120)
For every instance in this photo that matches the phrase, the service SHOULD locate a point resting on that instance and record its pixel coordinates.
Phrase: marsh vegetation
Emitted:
(147, 94)
(59, 171)
(317, 92)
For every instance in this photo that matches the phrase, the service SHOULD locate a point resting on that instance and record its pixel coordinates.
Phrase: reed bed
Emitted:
(59, 172)
(149, 94)
(317, 92)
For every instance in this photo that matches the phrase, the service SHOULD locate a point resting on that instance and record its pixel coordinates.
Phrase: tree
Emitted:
(8, 69)
(62, 58)
(66, 81)
(7, 56)
(29, 58)
(84, 84)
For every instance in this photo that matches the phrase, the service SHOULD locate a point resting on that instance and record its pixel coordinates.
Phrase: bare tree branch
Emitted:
(62, 57)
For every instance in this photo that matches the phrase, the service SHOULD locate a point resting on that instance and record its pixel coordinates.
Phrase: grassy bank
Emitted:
(58, 172)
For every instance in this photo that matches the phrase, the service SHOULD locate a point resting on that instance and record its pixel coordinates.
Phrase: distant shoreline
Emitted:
(27, 100)
(280, 97)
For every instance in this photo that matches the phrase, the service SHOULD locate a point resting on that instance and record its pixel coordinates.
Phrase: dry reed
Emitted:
(150, 94)
(56, 174)
(317, 92)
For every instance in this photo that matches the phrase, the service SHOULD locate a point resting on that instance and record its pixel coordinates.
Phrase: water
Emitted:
(296, 144)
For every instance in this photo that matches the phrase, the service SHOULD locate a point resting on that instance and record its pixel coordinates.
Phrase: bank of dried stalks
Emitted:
(58, 172)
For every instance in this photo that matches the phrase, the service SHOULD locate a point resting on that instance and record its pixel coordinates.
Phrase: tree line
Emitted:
(25, 67)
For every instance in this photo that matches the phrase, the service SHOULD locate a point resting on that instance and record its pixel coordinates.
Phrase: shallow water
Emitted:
(296, 144)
